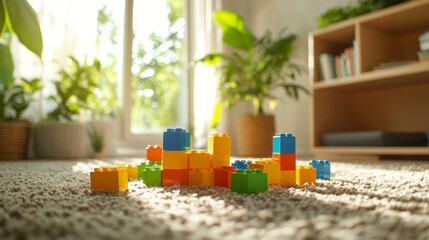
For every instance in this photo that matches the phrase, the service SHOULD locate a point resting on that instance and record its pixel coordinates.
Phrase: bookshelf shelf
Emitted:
(394, 98)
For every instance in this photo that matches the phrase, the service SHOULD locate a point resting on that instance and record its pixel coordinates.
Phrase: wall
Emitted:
(300, 18)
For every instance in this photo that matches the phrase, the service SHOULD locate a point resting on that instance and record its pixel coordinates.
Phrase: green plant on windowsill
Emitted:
(255, 67)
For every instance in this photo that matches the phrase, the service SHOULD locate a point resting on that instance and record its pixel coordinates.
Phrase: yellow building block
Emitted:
(272, 168)
(199, 159)
(109, 178)
(201, 177)
(175, 159)
(288, 177)
(220, 160)
(305, 174)
(219, 144)
(132, 171)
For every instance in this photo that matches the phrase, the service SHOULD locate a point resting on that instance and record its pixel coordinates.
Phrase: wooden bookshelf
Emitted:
(386, 99)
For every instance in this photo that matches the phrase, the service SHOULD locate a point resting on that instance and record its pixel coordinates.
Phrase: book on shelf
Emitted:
(355, 58)
(423, 55)
(327, 66)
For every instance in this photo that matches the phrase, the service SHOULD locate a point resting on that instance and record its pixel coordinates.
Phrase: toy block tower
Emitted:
(284, 151)
(176, 142)
(200, 168)
(219, 147)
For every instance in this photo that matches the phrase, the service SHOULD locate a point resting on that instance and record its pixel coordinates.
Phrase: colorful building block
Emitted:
(171, 177)
(287, 160)
(219, 144)
(241, 164)
(154, 153)
(249, 181)
(109, 178)
(323, 169)
(175, 159)
(222, 176)
(132, 170)
(272, 168)
(288, 177)
(284, 143)
(305, 174)
(201, 177)
(176, 139)
(143, 165)
(256, 166)
(199, 159)
(220, 160)
(152, 176)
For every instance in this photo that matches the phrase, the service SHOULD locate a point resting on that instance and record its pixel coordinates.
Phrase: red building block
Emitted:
(171, 177)
(287, 160)
(154, 153)
(222, 176)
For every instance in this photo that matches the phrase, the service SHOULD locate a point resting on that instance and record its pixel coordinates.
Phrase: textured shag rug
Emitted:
(52, 200)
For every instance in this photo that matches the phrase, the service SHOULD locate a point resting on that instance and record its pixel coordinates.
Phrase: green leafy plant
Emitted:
(97, 139)
(17, 17)
(255, 67)
(337, 14)
(74, 89)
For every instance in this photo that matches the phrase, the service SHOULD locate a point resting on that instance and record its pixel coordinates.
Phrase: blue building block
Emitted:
(323, 169)
(176, 139)
(241, 164)
(284, 143)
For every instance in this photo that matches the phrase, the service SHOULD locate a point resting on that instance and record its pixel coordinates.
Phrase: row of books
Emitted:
(338, 66)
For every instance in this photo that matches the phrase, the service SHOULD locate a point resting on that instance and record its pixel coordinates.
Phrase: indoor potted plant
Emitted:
(17, 17)
(249, 72)
(62, 135)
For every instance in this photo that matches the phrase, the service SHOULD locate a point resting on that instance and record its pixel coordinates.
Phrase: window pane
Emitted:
(158, 80)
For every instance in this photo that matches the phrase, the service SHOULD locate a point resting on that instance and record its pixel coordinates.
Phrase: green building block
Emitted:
(152, 176)
(143, 166)
(249, 181)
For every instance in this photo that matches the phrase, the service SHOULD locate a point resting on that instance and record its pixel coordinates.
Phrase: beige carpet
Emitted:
(52, 200)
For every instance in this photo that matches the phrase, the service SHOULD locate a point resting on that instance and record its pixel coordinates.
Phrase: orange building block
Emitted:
(305, 174)
(222, 176)
(175, 159)
(219, 144)
(171, 177)
(272, 168)
(287, 160)
(154, 153)
(201, 177)
(220, 160)
(288, 177)
(256, 166)
(109, 178)
(199, 159)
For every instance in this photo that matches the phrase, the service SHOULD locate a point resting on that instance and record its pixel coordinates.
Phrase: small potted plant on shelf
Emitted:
(62, 135)
(17, 18)
(250, 72)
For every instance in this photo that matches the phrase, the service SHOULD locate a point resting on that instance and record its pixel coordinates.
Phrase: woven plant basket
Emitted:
(254, 135)
(14, 139)
(55, 140)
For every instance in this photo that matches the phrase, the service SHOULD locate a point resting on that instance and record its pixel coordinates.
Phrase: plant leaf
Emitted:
(217, 114)
(235, 32)
(6, 64)
(212, 58)
(25, 24)
(2, 18)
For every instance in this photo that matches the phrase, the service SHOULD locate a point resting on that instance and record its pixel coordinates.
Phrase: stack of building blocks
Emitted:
(176, 142)
(305, 174)
(109, 178)
(154, 153)
(249, 181)
(200, 168)
(222, 176)
(269, 166)
(284, 151)
(323, 169)
(219, 148)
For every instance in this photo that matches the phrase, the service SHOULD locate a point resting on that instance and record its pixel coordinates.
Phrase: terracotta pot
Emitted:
(255, 135)
(14, 139)
(54, 140)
